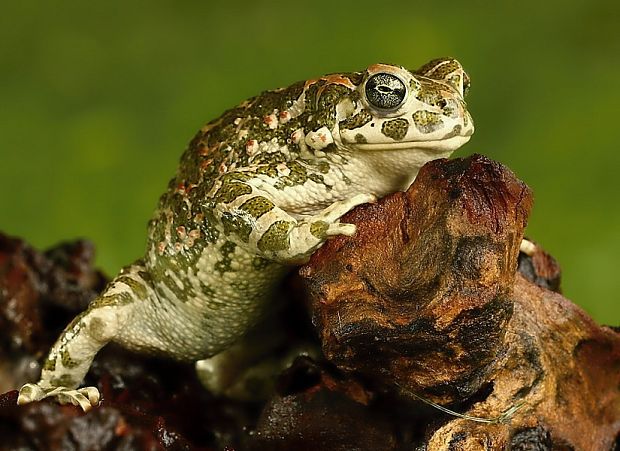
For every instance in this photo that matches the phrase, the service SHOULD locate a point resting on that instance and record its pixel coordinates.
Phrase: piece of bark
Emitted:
(42, 290)
(315, 410)
(426, 299)
(424, 286)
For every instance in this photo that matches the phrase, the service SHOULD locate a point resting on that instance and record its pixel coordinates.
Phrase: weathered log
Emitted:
(426, 300)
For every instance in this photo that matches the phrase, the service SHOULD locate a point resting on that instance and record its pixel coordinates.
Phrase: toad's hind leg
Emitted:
(248, 370)
(72, 354)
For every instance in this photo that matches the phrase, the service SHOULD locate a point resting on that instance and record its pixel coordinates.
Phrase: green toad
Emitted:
(260, 189)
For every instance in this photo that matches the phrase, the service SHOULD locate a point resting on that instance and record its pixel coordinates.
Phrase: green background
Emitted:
(98, 100)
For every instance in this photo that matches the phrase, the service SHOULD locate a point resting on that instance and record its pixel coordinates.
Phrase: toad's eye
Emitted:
(385, 91)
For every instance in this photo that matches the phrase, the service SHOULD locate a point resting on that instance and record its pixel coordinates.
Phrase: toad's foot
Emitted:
(339, 208)
(308, 235)
(527, 247)
(331, 215)
(86, 397)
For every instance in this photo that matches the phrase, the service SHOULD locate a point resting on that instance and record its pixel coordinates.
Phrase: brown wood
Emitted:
(426, 299)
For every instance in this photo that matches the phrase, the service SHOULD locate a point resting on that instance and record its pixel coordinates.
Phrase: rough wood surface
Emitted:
(431, 297)
(426, 298)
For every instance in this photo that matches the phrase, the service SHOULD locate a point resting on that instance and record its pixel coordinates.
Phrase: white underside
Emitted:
(381, 169)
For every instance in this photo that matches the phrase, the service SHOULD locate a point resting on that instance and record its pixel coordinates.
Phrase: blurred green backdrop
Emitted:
(98, 99)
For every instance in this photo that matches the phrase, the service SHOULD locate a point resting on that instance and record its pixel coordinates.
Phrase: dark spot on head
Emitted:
(356, 77)
(360, 139)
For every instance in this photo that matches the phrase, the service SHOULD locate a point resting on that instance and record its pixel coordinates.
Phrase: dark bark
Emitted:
(430, 298)
(426, 299)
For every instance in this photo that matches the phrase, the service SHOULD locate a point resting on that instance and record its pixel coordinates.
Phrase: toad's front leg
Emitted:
(294, 242)
(255, 221)
(271, 233)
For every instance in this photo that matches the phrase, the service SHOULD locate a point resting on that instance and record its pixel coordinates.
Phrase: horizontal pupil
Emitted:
(385, 91)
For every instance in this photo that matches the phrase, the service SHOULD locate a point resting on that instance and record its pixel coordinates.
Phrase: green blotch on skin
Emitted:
(65, 380)
(207, 290)
(269, 100)
(208, 231)
(317, 178)
(331, 95)
(145, 275)
(298, 176)
(414, 84)
(123, 298)
(66, 359)
(319, 229)
(260, 263)
(50, 363)
(257, 206)
(223, 265)
(430, 94)
(237, 224)
(276, 237)
(138, 288)
(323, 167)
(395, 128)
(360, 139)
(96, 329)
(268, 170)
(355, 77)
(227, 249)
(26, 392)
(427, 121)
(450, 112)
(331, 147)
(231, 189)
(356, 121)
(455, 132)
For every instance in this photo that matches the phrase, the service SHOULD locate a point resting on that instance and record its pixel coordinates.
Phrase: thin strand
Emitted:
(502, 418)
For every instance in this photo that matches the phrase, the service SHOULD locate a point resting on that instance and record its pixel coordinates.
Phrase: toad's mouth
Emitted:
(439, 145)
